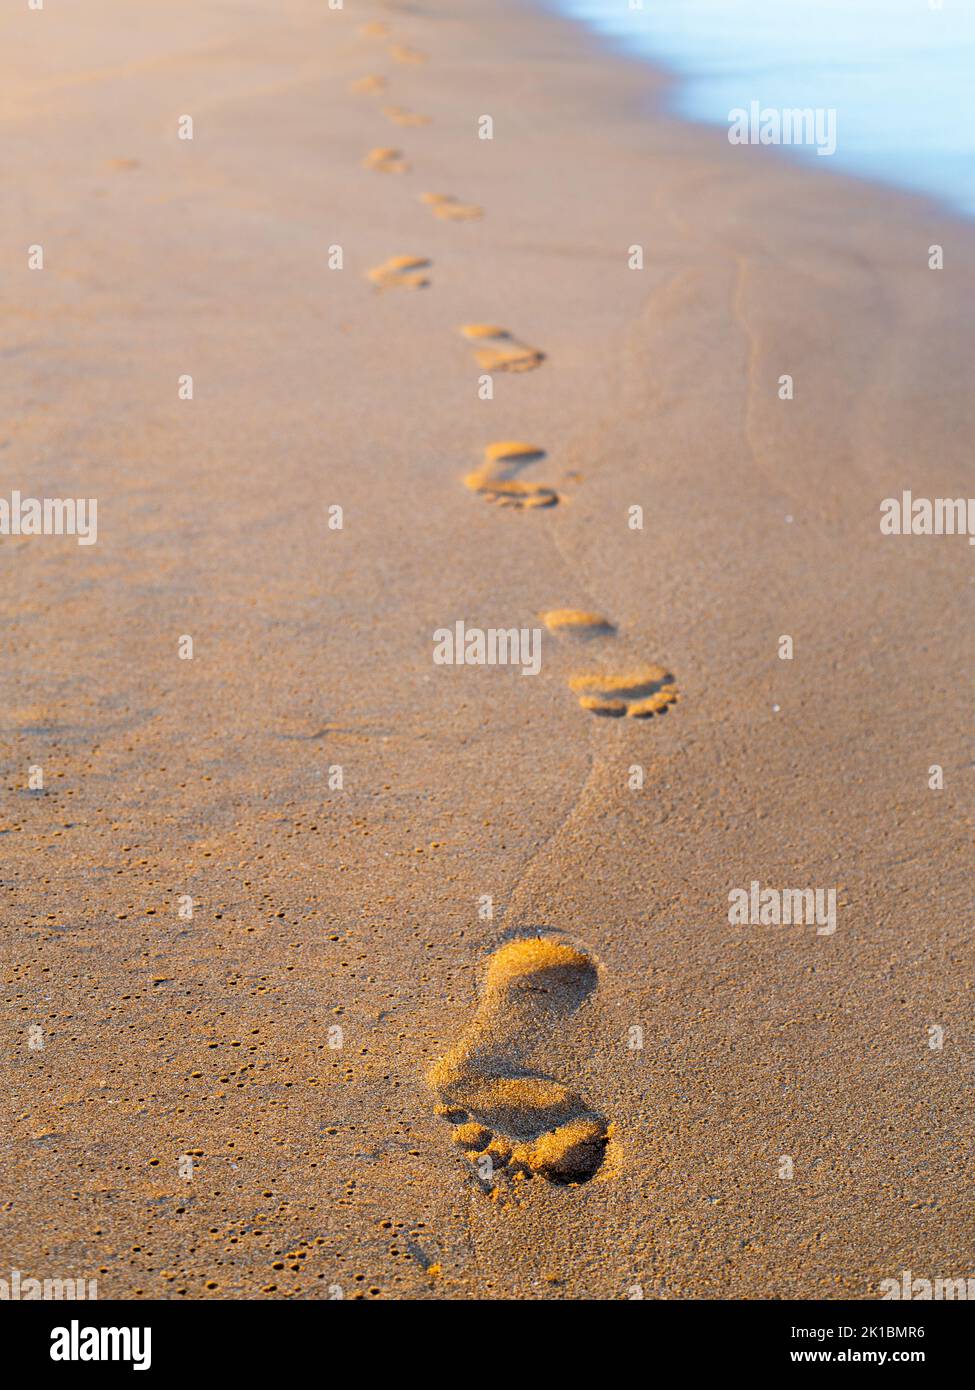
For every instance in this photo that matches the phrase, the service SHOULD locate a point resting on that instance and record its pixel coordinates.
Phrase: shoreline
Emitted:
(358, 903)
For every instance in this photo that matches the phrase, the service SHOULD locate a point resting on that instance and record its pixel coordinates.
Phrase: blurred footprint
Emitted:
(451, 209)
(400, 272)
(385, 161)
(402, 117)
(497, 481)
(577, 623)
(500, 350)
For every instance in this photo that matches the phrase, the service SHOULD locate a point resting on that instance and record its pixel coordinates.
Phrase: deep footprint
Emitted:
(526, 1122)
(640, 693)
(499, 350)
(497, 480)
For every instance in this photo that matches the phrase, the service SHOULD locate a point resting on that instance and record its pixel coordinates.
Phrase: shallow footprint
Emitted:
(374, 29)
(386, 161)
(402, 117)
(404, 54)
(401, 272)
(577, 623)
(523, 1120)
(451, 209)
(372, 83)
(497, 480)
(501, 351)
(638, 694)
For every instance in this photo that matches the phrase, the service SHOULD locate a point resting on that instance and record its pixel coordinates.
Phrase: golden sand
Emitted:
(252, 902)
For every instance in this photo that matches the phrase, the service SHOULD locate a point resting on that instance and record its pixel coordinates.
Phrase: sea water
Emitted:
(899, 75)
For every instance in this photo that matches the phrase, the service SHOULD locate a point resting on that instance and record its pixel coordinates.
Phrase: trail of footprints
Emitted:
(502, 1107)
(400, 52)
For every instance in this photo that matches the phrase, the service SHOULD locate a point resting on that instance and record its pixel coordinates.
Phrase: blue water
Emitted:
(899, 74)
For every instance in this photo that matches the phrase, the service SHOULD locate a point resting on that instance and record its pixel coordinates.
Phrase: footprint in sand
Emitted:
(375, 29)
(401, 272)
(497, 480)
(385, 161)
(372, 83)
(404, 54)
(639, 693)
(402, 117)
(577, 623)
(499, 350)
(520, 1117)
(451, 209)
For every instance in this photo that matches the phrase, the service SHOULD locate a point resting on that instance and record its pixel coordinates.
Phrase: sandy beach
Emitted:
(290, 903)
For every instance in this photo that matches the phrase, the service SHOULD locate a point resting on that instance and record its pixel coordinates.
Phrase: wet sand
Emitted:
(339, 808)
